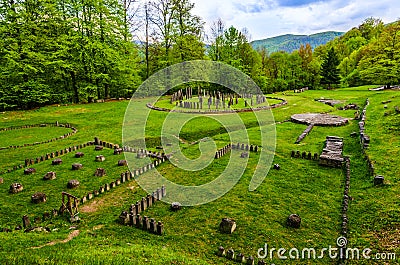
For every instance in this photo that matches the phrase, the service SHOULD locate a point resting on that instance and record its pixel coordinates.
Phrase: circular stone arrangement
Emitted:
(222, 110)
(319, 119)
(42, 125)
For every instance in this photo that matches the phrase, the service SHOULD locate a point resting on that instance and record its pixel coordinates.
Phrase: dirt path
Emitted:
(71, 236)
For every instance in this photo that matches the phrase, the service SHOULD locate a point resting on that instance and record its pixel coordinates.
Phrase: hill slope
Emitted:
(290, 42)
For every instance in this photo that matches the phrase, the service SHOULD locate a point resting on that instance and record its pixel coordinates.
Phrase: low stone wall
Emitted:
(305, 133)
(364, 138)
(346, 198)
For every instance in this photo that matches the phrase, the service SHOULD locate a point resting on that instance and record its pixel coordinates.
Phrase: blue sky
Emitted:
(269, 18)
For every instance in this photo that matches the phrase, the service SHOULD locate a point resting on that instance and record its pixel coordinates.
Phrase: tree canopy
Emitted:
(62, 51)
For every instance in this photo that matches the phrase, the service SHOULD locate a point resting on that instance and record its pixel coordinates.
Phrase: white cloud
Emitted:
(267, 18)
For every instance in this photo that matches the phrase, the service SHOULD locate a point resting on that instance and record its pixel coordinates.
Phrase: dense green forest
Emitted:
(62, 51)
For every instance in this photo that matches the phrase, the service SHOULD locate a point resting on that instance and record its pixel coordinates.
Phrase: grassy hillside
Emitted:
(191, 234)
(290, 42)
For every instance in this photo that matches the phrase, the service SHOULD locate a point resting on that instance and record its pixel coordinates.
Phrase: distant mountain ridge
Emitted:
(291, 42)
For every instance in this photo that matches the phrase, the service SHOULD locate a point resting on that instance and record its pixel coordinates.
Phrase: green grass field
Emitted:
(191, 234)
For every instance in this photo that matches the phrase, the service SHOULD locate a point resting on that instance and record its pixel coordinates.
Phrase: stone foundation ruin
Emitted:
(332, 155)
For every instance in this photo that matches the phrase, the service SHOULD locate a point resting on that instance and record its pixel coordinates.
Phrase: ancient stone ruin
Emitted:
(1, 180)
(176, 206)
(16, 188)
(244, 155)
(29, 171)
(57, 161)
(134, 219)
(70, 204)
(349, 107)
(330, 102)
(227, 226)
(38, 197)
(379, 180)
(73, 184)
(315, 119)
(79, 155)
(100, 172)
(294, 221)
(122, 163)
(118, 151)
(277, 167)
(319, 119)
(332, 155)
(98, 148)
(50, 176)
(77, 166)
(100, 158)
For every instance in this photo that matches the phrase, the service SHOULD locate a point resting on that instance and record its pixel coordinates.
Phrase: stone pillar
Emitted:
(132, 220)
(149, 201)
(153, 226)
(163, 191)
(25, 221)
(138, 208)
(138, 221)
(146, 223)
(143, 204)
(160, 228)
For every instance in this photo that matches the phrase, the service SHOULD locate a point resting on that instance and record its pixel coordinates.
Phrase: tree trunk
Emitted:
(74, 87)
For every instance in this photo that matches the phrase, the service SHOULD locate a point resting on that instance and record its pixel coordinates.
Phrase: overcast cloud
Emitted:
(269, 18)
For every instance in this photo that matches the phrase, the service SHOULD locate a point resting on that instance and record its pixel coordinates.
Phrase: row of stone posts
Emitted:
(304, 155)
(48, 156)
(223, 151)
(238, 257)
(245, 147)
(134, 219)
(141, 153)
(74, 130)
